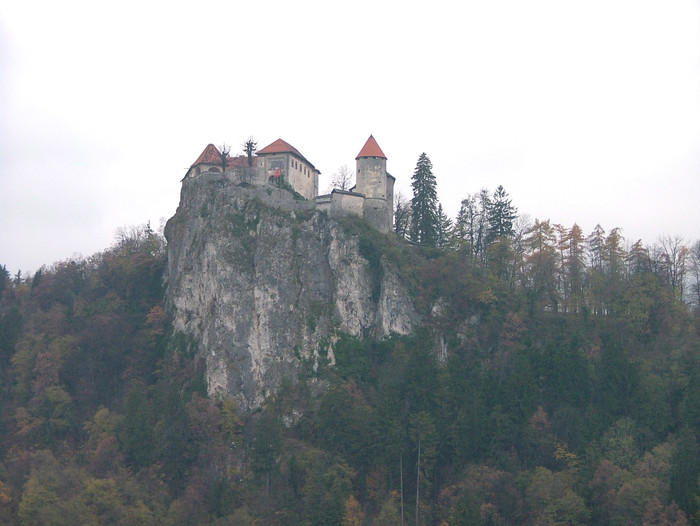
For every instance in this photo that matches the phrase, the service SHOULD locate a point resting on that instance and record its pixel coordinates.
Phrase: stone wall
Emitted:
(371, 177)
(346, 203)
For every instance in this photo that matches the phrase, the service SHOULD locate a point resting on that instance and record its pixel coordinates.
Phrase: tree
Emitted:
(4, 278)
(685, 466)
(445, 227)
(267, 443)
(424, 205)
(424, 436)
(575, 267)
(672, 256)
(353, 516)
(224, 151)
(542, 266)
(10, 331)
(694, 272)
(614, 256)
(402, 215)
(472, 225)
(595, 245)
(342, 179)
(638, 259)
(501, 215)
(249, 148)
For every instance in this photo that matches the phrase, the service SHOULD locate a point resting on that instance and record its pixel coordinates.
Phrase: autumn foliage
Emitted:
(556, 380)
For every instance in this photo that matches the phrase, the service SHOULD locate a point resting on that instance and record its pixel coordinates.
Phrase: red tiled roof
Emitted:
(371, 149)
(240, 161)
(280, 146)
(210, 155)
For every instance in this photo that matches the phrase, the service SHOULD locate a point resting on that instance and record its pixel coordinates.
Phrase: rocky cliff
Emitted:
(263, 283)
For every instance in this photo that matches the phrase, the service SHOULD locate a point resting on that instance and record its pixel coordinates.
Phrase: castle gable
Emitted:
(280, 146)
(210, 155)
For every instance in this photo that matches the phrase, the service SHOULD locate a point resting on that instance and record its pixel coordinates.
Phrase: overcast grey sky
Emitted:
(585, 112)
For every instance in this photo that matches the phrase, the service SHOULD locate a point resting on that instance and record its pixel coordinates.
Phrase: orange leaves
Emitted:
(156, 320)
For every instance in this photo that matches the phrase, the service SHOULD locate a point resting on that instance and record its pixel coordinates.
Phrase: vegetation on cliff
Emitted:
(551, 383)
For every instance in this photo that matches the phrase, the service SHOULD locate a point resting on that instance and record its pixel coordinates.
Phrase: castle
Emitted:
(372, 197)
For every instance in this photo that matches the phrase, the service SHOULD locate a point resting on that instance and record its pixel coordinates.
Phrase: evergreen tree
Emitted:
(424, 205)
(4, 278)
(501, 216)
(445, 229)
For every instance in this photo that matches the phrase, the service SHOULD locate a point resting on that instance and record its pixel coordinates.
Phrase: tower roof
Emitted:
(371, 149)
(280, 146)
(210, 155)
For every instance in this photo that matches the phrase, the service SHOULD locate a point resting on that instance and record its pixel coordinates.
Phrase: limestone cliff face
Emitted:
(263, 283)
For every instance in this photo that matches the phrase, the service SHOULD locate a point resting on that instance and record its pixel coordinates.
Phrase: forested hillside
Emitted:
(555, 380)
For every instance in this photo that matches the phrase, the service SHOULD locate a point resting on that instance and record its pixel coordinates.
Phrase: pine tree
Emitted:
(501, 215)
(424, 205)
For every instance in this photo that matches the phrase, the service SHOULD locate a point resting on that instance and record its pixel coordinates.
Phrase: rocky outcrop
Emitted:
(262, 282)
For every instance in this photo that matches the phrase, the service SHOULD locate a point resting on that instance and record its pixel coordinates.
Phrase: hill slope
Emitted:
(409, 381)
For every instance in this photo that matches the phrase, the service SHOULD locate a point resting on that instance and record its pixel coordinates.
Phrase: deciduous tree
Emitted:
(445, 227)
(471, 226)
(694, 256)
(672, 256)
(402, 215)
(342, 179)
(249, 148)
(224, 151)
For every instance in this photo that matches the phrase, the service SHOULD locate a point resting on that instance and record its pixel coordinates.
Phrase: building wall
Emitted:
(194, 171)
(323, 203)
(371, 177)
(268, 164)
(376, 212)
(390, 201)
(297, 172)
(346, 203)
(303, 177)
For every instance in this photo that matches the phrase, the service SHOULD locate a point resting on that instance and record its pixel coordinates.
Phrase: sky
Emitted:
(585, 112)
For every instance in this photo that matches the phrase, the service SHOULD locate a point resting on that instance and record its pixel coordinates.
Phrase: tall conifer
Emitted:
(501, 215)
(424, 205)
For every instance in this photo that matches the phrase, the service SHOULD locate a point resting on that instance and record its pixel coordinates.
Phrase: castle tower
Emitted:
(376, 184)
(371, 170)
